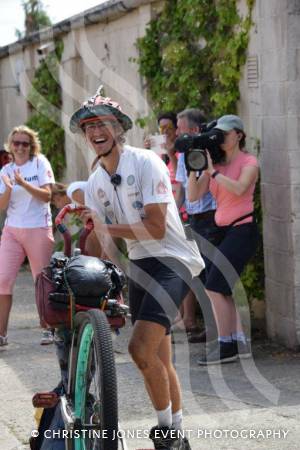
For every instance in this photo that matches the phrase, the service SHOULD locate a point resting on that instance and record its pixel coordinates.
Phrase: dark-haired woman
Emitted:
(232, 183)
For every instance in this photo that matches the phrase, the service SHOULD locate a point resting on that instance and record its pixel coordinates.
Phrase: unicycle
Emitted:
(89, 407)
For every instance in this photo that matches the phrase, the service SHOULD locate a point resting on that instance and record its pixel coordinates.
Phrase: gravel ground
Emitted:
(253, 404)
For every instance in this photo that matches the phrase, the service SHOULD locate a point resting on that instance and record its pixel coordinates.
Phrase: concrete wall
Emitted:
(97, 50)
(271, 110)
(12, 102)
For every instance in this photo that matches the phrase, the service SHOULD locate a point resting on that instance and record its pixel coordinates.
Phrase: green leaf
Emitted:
(45, 100)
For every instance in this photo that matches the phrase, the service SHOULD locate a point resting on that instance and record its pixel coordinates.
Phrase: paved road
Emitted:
(238, 406)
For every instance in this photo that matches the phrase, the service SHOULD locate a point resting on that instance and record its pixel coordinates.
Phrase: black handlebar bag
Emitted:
(88, 279)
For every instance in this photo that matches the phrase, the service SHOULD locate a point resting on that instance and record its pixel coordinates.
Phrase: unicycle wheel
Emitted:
(93, 383)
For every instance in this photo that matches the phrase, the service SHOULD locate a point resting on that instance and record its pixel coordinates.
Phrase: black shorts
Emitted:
(204, 232)
(157, 288)
(231, 256)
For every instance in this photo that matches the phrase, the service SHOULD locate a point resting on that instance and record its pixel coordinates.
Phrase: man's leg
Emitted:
(161, 381)
(165, 354)
(144, 346)
(149, 346)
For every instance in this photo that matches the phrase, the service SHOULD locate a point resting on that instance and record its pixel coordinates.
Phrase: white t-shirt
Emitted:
(145, 179)
(24, 210)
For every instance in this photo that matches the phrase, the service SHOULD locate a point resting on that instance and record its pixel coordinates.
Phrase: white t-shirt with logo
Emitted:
(145, 180)
(24, 210)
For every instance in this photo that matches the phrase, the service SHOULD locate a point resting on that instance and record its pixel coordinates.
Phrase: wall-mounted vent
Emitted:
(252, 71)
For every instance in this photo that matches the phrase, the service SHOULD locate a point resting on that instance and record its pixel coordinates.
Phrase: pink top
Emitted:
(231, 206)
(172, 173)
(175, 186)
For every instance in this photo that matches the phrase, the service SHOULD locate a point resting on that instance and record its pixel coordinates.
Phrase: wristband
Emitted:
(215, 173)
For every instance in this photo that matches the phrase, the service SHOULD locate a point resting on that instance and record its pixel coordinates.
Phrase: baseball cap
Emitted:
(229, 122)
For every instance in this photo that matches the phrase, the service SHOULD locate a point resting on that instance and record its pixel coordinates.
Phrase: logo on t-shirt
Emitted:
(49, 173)
(33, 178)
(130, 180)
(137, 204)
(161, 188)
(101, 193)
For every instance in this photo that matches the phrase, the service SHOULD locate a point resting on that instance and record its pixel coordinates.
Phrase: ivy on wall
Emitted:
(191, 56)
(46, 101)
(253, 277)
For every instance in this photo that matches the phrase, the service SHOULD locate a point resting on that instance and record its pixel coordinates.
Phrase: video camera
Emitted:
(194, 147)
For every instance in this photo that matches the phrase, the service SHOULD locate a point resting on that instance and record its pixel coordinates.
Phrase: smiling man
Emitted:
(130, 197)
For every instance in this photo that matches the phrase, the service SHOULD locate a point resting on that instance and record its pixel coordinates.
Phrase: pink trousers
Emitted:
(16, 243)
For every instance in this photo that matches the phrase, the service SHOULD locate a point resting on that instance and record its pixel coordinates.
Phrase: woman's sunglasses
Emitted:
(24, 144)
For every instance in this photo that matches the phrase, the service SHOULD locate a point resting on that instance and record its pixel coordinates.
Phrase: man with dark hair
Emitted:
(167, 124)
(201, 216)
(168, 115)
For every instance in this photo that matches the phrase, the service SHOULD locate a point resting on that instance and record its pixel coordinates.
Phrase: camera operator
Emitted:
(201, 218)
(232, 183)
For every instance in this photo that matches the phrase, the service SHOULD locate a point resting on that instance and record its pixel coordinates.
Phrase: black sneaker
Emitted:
(243, 349)
(185, 444)
(165, 438)
(219, 353)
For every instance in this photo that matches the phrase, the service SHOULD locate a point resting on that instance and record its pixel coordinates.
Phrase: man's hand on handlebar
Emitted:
(87, 214)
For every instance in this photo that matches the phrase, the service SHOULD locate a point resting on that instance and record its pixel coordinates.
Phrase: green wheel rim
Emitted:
(80, 383)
